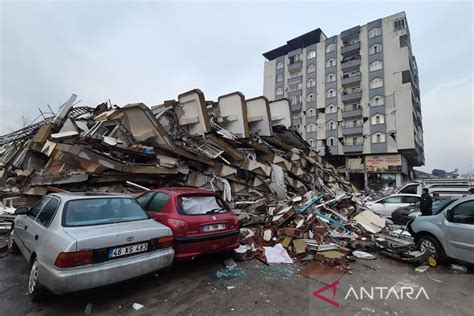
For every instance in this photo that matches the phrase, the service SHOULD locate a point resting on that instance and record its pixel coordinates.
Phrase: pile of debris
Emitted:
(323, 231)
(247, 150)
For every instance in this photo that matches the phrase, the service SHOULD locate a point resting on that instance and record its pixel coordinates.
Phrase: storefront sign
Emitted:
(383, 164)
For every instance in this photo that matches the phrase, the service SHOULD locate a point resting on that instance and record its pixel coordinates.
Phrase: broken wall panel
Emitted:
(280, 113)
(259, 116)
(233, 113)
(192, 112)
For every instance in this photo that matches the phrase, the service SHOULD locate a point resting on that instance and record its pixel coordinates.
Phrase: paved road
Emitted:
(193, 289)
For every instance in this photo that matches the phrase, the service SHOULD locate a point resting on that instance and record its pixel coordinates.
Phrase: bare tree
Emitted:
(25, 121)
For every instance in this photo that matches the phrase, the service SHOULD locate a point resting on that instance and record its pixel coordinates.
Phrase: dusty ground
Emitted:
(193, 289)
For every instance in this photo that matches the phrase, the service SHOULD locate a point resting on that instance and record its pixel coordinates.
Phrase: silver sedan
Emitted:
(81, 241)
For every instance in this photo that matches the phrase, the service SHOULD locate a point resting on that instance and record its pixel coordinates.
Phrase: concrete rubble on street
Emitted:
(291, 203)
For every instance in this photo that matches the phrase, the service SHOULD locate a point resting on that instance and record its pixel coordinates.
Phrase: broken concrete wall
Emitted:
(259, 116)
(233, 114)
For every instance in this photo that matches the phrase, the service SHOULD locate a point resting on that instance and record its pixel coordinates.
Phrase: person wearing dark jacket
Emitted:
(426, 203)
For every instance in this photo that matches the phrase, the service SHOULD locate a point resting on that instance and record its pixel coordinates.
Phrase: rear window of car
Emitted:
(201, 205)
(100, 211)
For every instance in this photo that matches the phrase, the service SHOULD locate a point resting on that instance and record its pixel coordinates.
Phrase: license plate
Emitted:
(210, 228)
(128, 250)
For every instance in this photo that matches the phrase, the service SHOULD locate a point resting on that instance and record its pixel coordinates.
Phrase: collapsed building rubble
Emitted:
(244, 148)
(282, 190)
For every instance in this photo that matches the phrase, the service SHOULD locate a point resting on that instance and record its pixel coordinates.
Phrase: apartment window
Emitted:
(295, 99)
(376, 65)
(378, 138)
(376, 31)
(376, 83)
(377, 100)
(311, 68)
(355, 106)
(311, 54)
(279, 91)
(311, 83)
(331, 125)
(296, 116)
(399, 24)
(330, 78)
(332, 108)
(331, 93)
(374, 49)
(331, 62)
(330, 48)
(294, 59)
(311, 113)
(280, 65)
(332, 142)
(354, 123)
(310, 97)
(377, 119)
(311, 127)
(310, 142)
(354, 141)
(279, 78)
(403, 40)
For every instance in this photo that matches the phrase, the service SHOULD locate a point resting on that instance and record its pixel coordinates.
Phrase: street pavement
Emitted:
(192, 288)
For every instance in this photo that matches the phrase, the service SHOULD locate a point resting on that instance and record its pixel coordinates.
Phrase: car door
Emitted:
(408, 200)
(387, 205)
(459, 231)
(41, 238)
(155, 206)
(26, 226)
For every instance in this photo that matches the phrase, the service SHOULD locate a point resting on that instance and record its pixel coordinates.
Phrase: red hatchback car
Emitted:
(201, 222)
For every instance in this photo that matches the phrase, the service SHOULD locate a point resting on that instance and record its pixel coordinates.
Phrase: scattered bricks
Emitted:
(290, 232)
(283, 215)
(320, 230)
(299, 246)
(286, 241)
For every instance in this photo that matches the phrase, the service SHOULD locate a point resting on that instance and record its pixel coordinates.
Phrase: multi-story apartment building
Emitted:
(358, 94)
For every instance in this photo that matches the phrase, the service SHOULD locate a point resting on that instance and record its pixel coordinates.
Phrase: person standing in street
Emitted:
(426, 203)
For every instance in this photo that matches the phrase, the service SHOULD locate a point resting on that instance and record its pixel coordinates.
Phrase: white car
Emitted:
(386, 205)
(77, 241)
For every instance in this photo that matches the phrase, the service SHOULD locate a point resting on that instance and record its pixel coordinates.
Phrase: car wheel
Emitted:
(36, 292)
(432, 245)
(12, 246)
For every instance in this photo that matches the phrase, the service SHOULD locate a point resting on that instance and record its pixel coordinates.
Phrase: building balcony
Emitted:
(354, 130)
(295, 74)
(352, 113)
(297, 107)
(350, 65)
(358, 148)
(350, 49)
(294, 67)
(294, 87)
(352, 96)
(350, 80)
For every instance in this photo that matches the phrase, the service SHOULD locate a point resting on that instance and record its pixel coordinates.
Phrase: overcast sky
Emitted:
(152, 51)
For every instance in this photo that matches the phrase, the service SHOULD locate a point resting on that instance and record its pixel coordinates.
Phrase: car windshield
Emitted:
(99, 211)
(201, 205)
(439, 205)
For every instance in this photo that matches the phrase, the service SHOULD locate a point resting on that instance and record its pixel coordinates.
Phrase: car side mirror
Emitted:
(22, 211)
